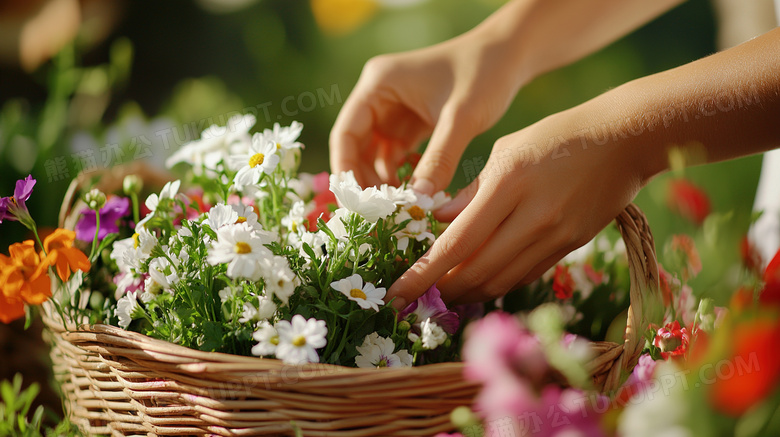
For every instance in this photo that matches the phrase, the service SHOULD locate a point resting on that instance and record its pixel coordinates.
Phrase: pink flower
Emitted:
(499, 343)
(639, 380)
(673, 340)
(320, 182)
(430, 305)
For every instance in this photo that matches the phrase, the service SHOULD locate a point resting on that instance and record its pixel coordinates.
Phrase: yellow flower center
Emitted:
(382, 363)
(357, 293)
(256, 160)
(241, 219)
(416, 212)
(242, 247)
(136, 243)
(278, 146)
(274, 340)
(299, 341)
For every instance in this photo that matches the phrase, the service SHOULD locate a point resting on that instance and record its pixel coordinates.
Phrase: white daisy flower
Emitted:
(280, 280)
(433, 335)
(398, 195)
(130, 253)
(215, 145)
(242, 249)
(264, 310)
(267, 338)
(366, 296)
(439, 199)
(168, 193)
(262, 159)
(377, 351)
(299, 339)
(226, 294)
(370, 203)
(417, 227)
(125, 307)
(159, 279)
(294, 219)
(222, 214)
(283, 138)
(315, 240)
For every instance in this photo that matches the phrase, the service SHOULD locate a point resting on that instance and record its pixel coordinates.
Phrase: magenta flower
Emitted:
(15, 207)
(110, 214)
(431, 305)
(500, 344)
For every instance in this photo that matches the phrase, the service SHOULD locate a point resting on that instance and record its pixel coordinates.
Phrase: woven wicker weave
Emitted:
(123, 383)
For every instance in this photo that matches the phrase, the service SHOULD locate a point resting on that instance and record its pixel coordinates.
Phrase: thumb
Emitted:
(440, 159)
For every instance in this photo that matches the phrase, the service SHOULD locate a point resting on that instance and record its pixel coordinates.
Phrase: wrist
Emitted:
(617, 128)
(500, 36)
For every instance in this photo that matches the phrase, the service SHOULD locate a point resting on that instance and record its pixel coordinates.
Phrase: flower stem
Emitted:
(38, 238)
(136, 208)
(95, 240)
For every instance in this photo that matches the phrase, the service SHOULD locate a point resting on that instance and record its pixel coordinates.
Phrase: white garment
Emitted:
(765, 233)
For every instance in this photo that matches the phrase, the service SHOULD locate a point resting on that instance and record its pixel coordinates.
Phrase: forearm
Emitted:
(540, 35)
(728, 104)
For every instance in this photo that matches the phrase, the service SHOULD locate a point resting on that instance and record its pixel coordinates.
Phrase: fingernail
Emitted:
(424, 186)
(399, 303)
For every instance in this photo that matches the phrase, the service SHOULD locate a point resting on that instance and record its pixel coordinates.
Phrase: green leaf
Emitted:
(103, 245)
(211, 339)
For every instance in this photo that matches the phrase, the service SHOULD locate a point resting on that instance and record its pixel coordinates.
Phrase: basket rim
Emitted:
(100, 333)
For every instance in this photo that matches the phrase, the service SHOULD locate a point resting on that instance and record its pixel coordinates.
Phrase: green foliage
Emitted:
(15, 419)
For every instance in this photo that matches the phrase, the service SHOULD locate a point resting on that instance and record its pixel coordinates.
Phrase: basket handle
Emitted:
(646, 303)
(108, 180)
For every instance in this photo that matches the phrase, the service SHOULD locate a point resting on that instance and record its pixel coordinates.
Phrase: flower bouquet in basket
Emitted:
(250, 300)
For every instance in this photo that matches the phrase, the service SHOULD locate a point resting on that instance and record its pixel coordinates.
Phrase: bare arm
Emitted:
(453, 91)
(549, 188)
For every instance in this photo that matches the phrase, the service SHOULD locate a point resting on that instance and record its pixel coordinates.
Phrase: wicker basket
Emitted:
(123, 383)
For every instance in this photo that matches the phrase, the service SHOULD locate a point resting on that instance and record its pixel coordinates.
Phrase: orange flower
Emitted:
(62, 254)
(10, 308)
(756, 354)
(22, 278)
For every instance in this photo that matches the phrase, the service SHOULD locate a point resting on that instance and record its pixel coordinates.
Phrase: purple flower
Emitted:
(15, 207)
(431, 305)
(114, 209)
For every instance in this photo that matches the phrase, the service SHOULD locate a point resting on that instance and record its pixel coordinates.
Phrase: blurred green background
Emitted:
(141, 78)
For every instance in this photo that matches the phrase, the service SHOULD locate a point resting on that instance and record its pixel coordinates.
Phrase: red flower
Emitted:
(741, 300)
(688, 200)
(770, 295)
(665, 280)
(683, 247)
(323, 202)
(751, 257)
(672, 340)
(757, 358)
(563, 284)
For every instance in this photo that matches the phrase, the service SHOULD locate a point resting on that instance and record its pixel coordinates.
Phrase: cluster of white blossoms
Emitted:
(264, 210)
(378, 351)
(294, 342)
(241, 246)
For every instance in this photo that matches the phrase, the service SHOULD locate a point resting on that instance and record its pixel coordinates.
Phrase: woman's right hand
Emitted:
(449, 92)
